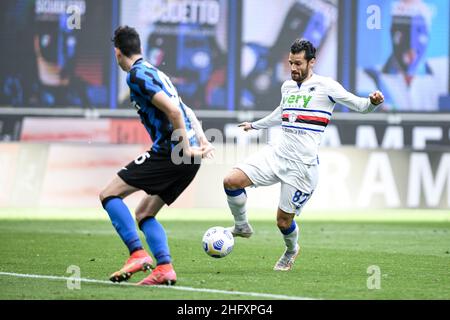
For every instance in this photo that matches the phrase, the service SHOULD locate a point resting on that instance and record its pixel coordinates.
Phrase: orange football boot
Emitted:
(162, 274)
(139, 260)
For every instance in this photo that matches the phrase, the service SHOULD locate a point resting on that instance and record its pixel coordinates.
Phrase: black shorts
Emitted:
(158, 175)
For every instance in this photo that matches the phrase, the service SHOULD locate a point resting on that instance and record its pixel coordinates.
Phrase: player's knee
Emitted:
(227, 182)
(141, 215)
(102, 195)
(283, 223)
(231, 183)
(105, 196)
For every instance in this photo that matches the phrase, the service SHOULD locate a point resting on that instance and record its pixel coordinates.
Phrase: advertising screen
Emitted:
(55, 53)
(187, 40)
(266, 45)
(406, 54)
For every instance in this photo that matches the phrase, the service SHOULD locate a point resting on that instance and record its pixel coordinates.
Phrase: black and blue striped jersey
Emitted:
(145, 81)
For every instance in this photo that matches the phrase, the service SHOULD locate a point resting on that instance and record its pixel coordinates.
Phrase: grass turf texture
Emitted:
(414, 256)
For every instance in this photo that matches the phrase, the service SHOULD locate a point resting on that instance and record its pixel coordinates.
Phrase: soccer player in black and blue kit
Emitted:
(163, 172)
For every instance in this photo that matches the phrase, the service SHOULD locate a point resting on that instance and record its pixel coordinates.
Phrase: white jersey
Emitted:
(304, 112)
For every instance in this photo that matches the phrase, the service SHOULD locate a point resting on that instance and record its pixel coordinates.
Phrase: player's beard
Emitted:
(299, 77)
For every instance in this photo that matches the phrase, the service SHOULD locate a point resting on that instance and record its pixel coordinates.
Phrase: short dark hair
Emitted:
(300, 45)
(127, 40)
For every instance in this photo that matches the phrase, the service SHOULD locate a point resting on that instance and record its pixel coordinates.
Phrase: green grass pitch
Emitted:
(410, 248)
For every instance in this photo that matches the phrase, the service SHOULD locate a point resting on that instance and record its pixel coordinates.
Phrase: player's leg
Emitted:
(254, 171)
(289, 230)
(153, 230)
(122, 220)
(157, 241)
(234, 184)
(174, 182)
(292, 201)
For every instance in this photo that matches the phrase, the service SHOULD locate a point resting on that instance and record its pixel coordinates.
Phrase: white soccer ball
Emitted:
(218, 242)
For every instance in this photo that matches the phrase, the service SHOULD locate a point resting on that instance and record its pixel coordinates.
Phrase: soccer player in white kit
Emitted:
(307, 103)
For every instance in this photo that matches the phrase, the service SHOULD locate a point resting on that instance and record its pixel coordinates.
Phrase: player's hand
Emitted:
(376, 97)
(203, 151)
(207, 150)
(246, 126)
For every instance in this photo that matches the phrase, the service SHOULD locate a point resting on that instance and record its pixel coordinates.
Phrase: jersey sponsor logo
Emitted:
(296, 131)
(297, 100)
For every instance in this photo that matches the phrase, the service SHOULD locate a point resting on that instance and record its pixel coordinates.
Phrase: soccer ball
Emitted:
(218, 242)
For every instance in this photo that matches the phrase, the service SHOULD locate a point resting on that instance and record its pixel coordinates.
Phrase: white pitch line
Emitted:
(251, 294)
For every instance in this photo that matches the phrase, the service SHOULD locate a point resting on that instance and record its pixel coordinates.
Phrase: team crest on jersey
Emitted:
(292, 117)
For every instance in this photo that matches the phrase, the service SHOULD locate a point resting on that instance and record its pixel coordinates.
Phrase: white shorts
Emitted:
(298, 180)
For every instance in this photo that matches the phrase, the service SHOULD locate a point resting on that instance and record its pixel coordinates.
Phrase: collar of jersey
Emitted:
(137, 61)
(299, 85)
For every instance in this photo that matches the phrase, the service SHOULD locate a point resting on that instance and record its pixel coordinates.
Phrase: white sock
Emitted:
(237, 200)
(291, 239)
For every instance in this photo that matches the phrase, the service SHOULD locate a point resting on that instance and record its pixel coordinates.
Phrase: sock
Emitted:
(123, 222)
(290, 236)
(236, 201)
(156, 239)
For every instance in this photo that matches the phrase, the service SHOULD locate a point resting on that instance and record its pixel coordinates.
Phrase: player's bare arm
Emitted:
(268, 121)
(197, 126)
(173, 113)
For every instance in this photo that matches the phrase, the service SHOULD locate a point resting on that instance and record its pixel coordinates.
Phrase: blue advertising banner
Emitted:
(403, 50)
(187, 40)
(55, 53)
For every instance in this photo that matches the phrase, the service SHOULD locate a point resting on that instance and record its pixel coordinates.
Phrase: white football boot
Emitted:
(287, 260)
(244, 231)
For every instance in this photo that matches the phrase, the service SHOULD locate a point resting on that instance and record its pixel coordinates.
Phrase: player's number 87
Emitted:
(300, 198)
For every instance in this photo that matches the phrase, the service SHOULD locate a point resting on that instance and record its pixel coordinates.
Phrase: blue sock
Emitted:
(290, 236)
(290, 229)
(123, 222)
(156, 239)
